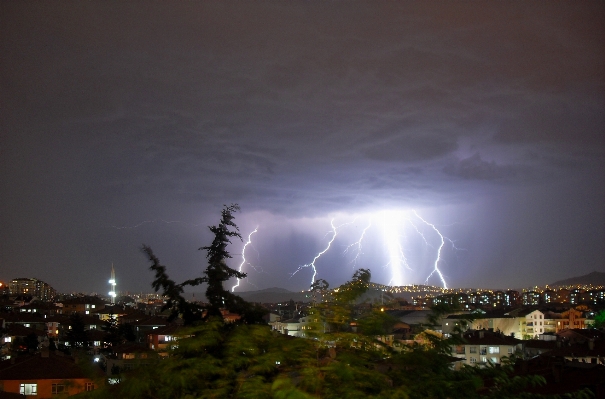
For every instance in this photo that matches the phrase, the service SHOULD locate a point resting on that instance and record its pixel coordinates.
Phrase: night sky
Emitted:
(130, 123)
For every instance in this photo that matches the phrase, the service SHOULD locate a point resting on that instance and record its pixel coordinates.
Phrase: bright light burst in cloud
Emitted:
(400, 247)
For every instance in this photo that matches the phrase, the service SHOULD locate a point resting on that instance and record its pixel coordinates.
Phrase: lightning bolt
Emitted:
(438, 258)
(391, 223)
(244, 257)
(357, 244)
(312, 263)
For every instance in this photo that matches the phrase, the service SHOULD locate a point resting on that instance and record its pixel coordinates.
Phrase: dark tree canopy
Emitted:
(77, 336)
(320, 284)
(216, 273)
(173, 292)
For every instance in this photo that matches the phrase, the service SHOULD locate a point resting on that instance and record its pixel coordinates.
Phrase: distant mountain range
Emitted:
(273, 295)
(277, 295)
(594, 278)
(268, 295)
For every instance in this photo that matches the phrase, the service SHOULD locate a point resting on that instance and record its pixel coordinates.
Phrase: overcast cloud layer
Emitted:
(125, 123)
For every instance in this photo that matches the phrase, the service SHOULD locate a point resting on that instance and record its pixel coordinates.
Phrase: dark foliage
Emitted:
(173, 292)
(216, 273)
(77, 336)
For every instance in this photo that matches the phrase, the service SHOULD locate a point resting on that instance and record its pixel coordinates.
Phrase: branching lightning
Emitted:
(438, 258)
(388, 228)
(244, 261)
(358, 244)
(312, 263)
(391, 225)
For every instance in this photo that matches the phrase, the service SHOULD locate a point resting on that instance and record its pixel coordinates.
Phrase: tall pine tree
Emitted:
(218, 271)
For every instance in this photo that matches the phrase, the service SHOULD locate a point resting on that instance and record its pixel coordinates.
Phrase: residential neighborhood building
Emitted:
(482, 347)
(45, 375)
(165, 338)
(32, 286)
(128, 356)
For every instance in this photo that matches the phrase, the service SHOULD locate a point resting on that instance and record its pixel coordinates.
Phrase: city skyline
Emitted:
(463, 138)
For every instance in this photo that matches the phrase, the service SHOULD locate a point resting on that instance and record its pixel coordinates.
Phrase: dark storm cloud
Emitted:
(476, 168)
(116, 113)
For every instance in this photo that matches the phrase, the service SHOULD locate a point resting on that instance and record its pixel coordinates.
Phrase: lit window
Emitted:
(493, 349)
(28, 389)
(89, 385)
(8, 339)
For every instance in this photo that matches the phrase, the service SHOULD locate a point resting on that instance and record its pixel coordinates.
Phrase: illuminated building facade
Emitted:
(33, 287)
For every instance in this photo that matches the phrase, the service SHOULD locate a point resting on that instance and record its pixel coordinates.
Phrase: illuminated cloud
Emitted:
(486, 118)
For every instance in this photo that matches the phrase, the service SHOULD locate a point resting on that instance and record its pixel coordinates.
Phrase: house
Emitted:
(413, 317)
(571, 319)
(164, 338)
(25, 320)
(147, 324)
(401, 331)
(536, 347)
(40, 308)
(591, 352)
(534, 324)
(44, 375)
(580, 336)
(112, 311)
(483, 346)
(82, 305)
(128, 356)
(14, 339)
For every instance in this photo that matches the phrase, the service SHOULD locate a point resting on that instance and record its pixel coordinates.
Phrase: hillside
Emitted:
(273, 295)
(594, 278)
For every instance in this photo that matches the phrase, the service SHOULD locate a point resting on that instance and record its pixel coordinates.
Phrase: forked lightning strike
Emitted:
(244, 261)
(358, 244)
(391, 225)
(438, 258)
(312, 264)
